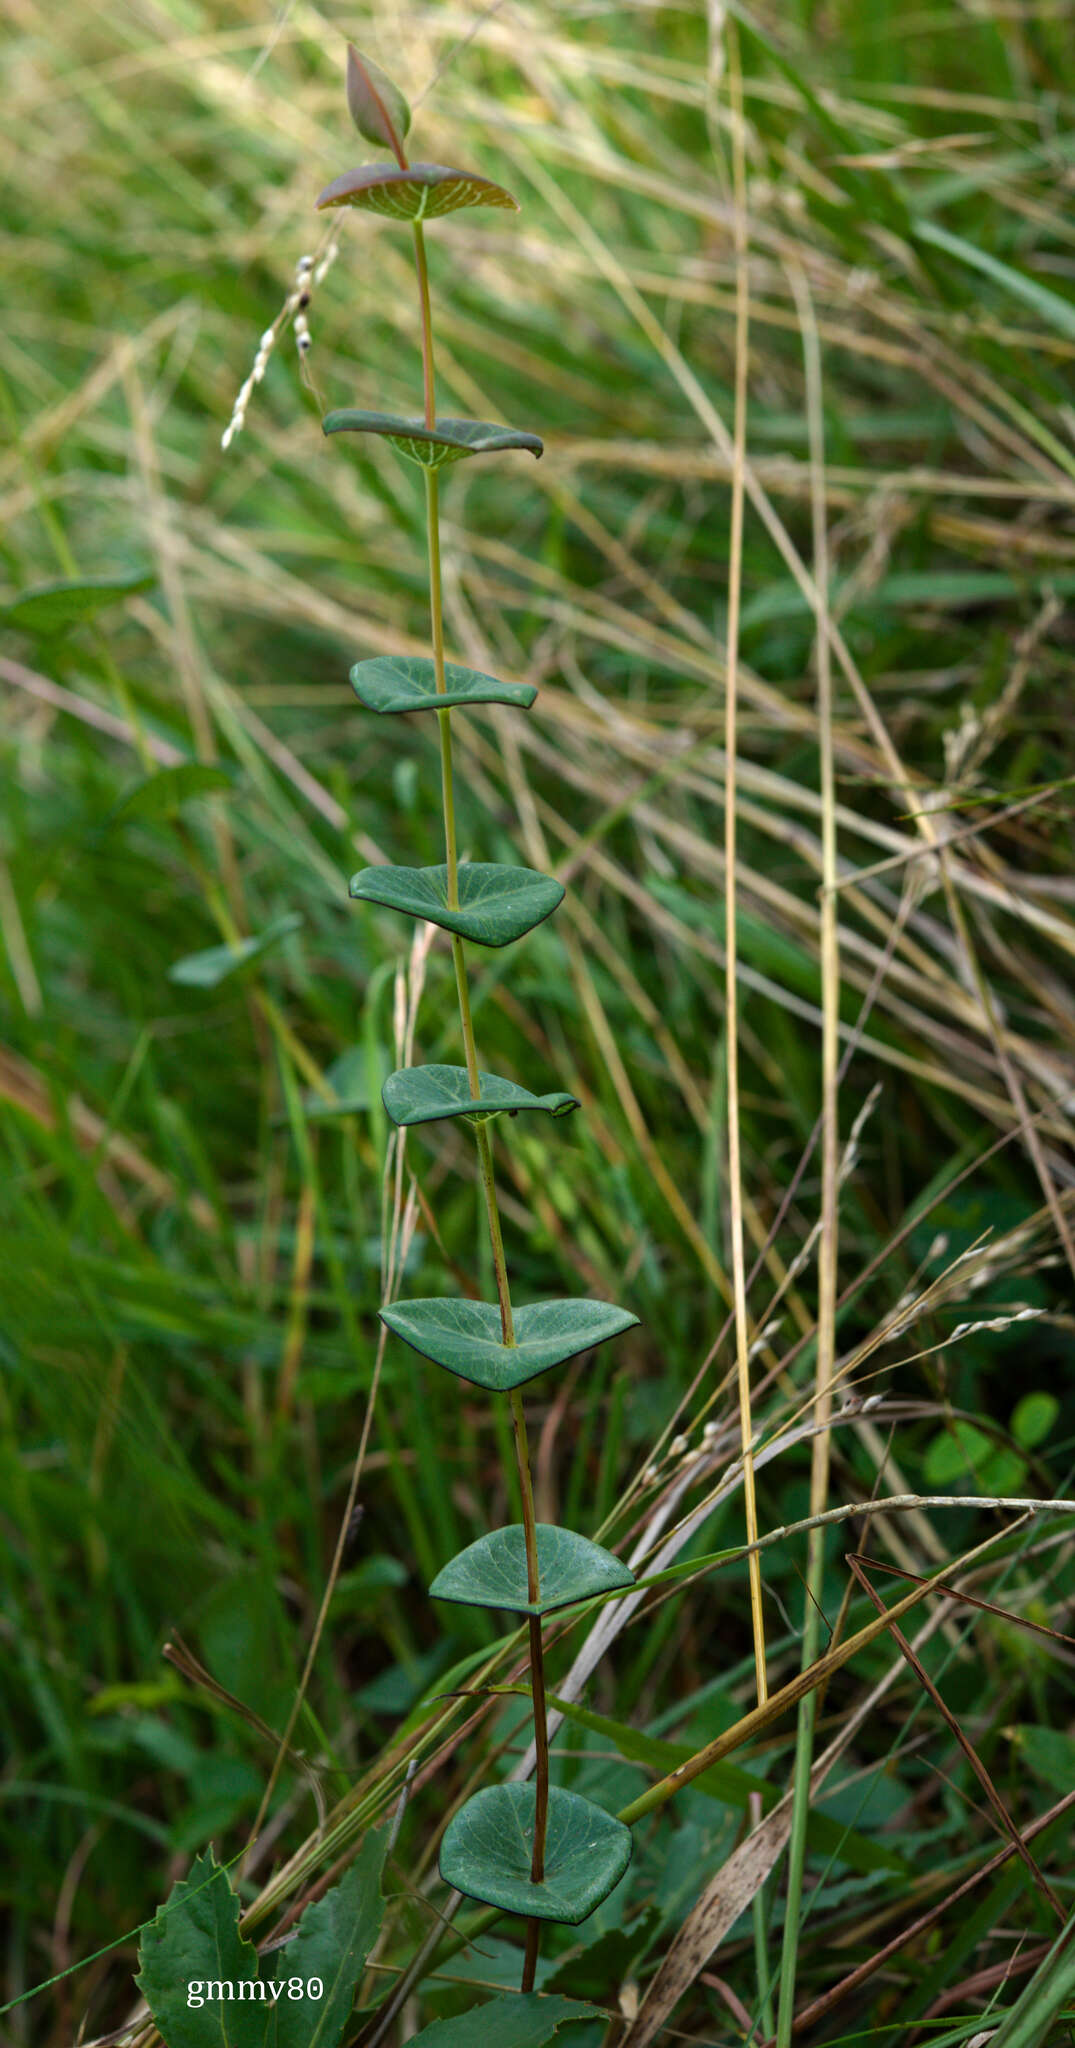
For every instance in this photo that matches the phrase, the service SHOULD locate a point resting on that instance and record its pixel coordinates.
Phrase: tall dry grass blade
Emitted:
(830, 1145)
(735, 578)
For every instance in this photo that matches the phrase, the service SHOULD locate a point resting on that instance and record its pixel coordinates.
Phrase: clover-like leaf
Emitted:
(408, 682)
(487, 1848)
(496, 904)
(492, 1572)
(422, 1095)
(415, 192)
(465, 1336)
(519, 2019)
(377, 107)
(448, 441)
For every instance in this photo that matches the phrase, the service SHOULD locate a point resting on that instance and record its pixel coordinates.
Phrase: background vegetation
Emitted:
(192, 1249)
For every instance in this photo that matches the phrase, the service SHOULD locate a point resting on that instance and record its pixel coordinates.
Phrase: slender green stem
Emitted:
(481, 1129)
(427, 322)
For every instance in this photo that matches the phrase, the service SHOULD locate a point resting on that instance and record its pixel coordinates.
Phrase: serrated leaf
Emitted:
(520, 2019)
(464, 1336)
(377, 107)
(487, 1848)
(161, 795)
(209, 969)
(448, 441)
(422, 1095)
(335, 1936)
(419, 192)
(492, 1571)
(195, 1940)
(405, 682)
(496, 904)
(52, 607)
(195, 1937)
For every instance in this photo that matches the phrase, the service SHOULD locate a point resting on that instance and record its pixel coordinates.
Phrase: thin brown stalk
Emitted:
(819, 2008)
(857, 1564)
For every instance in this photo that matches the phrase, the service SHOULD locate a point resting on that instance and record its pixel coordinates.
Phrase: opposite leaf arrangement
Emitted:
(528, 1849)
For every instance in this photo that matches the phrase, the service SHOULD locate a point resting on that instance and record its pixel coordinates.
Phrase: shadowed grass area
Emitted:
(197, 1221)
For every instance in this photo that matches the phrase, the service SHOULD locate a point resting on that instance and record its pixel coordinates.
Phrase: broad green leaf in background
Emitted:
(419, 1095)
(377, 107)
(957, 1451)
(420, 192)
(335, 1936)
(352, 1083)
(448, 441)
(161, 795)
(1048, 1752)
(50, 608)
(496, 904)
(518, 2020)
(408, 682)
(195, 1937)
(486, 1853)
(1033, 1418)
(492, 1571)
(208, 969)
(464, 1336)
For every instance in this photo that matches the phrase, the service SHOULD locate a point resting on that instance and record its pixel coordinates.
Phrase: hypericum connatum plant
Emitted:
(528, 1849)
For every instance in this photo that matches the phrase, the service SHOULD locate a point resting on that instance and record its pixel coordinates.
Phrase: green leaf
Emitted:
(492, 1571)
(208, 969)
(161, 795)
(52, 607)
(520, 2019)
(448, 441)
(377, 107)
(496, 904)
(420, 192)
(335, 1936)
(194, 1938)
(195, 1941)
(486, 1853)
(1057, 312)
(1048, 1752)
(1033, 1418)
(421, 1095)
(464, 1336)
(353, 1084)
(955, 1452)
(1029, 2021)
(405, 682)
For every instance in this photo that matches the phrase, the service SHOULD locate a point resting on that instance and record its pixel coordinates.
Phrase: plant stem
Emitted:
(828, 1241)
(481, 1130)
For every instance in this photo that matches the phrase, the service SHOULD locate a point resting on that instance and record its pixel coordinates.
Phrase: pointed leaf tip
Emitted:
(378, 108)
